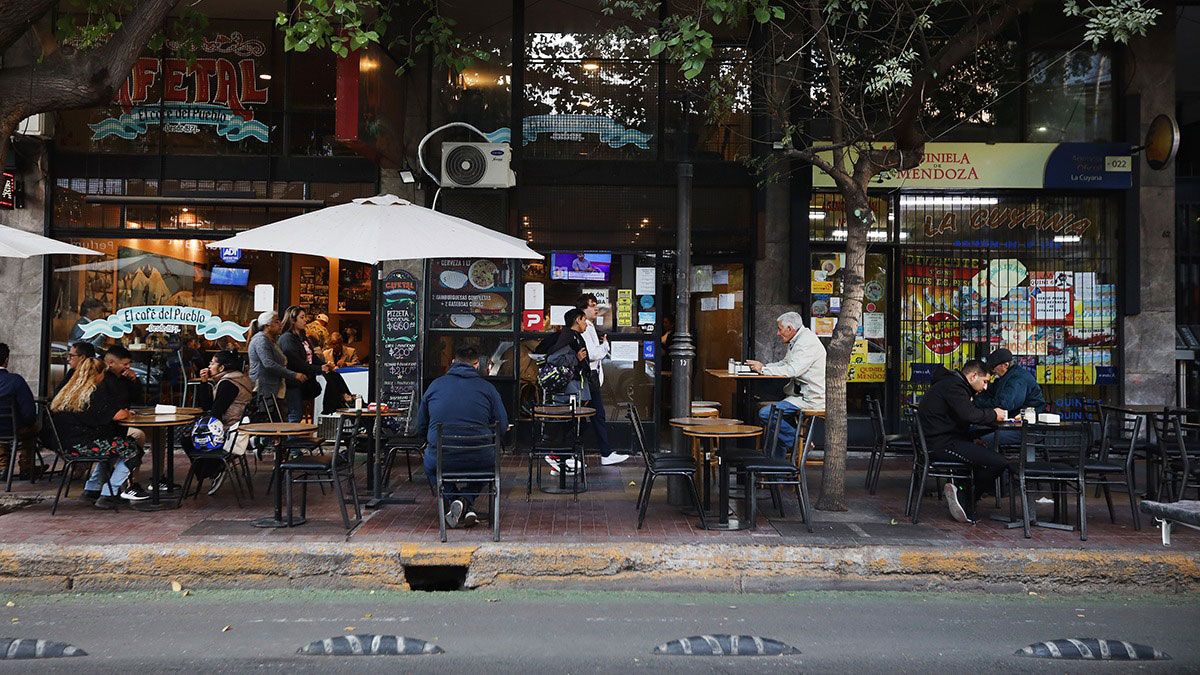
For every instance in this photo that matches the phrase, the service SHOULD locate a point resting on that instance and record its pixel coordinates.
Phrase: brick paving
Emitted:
(604, 514)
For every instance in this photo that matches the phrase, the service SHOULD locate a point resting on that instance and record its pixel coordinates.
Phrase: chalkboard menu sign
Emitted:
(401, 323)
(471, 294)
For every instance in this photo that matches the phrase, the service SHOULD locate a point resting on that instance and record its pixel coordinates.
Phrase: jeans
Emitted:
(1009, 437)
(295, 403)
(97, 482)
(469, 491)
(787, 430)
(599, 421)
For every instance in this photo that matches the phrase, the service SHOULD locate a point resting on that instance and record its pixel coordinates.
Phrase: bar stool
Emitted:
(703, 411)
(706, 404)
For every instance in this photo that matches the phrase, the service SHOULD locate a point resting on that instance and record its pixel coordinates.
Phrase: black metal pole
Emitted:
(682, 347)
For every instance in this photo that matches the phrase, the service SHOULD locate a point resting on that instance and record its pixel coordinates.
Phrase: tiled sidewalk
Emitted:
(604, 514)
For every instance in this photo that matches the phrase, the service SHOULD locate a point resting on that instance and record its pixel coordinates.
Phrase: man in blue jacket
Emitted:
(464, 404)
(1014, 390)
(15, 396)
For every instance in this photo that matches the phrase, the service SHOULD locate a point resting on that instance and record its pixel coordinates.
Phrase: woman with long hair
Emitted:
(301, 359)
(86, 412)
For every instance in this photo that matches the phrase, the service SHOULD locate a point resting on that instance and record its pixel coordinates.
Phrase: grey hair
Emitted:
(792, 320)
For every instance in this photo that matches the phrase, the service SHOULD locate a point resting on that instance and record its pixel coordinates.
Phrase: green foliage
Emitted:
(1118, 20)
(87, 24)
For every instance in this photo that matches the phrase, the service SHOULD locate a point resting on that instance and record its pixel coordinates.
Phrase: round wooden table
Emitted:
(277, 430)
(714, 434)
(700, 411)
(155, 424)
(562, 413)
(702, 421)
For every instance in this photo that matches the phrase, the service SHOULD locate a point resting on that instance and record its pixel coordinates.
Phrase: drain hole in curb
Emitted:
(436, 577)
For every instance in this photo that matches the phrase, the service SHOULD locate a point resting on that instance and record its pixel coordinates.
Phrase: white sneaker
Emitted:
(613, 458)
(956, 509)
(554, 462)
(455, 513)
(217, 482)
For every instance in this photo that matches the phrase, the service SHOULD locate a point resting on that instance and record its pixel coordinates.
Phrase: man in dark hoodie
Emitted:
(463, 403)
(947, 413)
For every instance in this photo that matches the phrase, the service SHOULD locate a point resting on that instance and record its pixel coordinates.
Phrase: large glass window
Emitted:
(1069, 96)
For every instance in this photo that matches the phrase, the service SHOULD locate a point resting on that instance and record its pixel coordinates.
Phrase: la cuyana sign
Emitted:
(964, 166)
(207, 324)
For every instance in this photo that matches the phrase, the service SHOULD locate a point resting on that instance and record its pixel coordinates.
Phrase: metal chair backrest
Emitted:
(453, 439)
(1174, 439)
(269, 406)
(1119, 431)
(8, 419)
(406, 425)
(1095, 417)
(921, 450)
(810, 440)
(344, 441)
(638, 437)
(875, 411)
(1062, 444)
(50, 431)
(771, 434)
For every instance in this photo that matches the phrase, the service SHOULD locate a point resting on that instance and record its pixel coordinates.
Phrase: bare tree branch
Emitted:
(16, 16)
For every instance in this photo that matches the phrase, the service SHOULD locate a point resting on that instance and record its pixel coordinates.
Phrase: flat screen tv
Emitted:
(229, 276)
(580, 265)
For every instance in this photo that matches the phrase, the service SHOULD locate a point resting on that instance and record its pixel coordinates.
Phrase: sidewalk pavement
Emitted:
(550, 541)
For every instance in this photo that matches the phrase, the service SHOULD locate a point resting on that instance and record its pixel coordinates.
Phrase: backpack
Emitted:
(554, 379)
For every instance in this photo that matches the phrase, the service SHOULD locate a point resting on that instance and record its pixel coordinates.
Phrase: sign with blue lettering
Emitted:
(1090, 166)
(207, 324)
(231, 255)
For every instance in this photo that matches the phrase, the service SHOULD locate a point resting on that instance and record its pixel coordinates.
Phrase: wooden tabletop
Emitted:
(277, 428)
(157, 420)
(724, 431)
(702, 421)
(390, 412)
(561, 411)
(1141, 408)
(179, 410)
(724, 374)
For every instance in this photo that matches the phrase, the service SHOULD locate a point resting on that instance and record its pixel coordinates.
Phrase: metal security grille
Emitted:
(484, 207)
(1033, 274)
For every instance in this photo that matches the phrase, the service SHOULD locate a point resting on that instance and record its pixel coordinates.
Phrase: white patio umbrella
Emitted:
(374, 229)
(16, 243)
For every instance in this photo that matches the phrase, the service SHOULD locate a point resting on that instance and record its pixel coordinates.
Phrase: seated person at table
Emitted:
(76, 352)
(1014, 389)
(86, 413)
(230, 389)
(339, 353)
(15, 393)
(463, 403)
(947, 414)
(804, 365)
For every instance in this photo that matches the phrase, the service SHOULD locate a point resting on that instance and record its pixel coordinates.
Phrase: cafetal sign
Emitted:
(212, 91)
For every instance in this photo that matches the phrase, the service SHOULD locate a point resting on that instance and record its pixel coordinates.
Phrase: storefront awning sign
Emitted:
(966, 166)
(207, 324)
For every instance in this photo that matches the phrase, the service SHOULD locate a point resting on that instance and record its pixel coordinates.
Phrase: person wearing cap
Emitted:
(319, 330)
(268, 365)
(1014, 389)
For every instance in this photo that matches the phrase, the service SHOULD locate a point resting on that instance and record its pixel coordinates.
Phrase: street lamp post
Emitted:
(682, 346)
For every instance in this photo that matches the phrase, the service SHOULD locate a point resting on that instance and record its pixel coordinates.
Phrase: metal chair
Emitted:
(1055, 454)
(778, 467)
(234, 467)
(896, 444)
(187, 382)
(50, 435)
(925, 467)
(400, 436)
(453, 439)
(8, 420)
(1179, 453)
(335, 468)
(658, 464)
(1118, 433)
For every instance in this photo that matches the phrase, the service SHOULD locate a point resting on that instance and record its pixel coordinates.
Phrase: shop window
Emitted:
(868, 361)
(1069, 96)
(312, 135)
(721, 131)
(827, 219)
(482, 94)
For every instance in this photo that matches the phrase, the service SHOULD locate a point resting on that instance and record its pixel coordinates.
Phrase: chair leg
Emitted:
(919, 494)
(805, 504)
(1137, 519)
(1112, 515)
(408, 464)
(691, 481)
(645, 502)
(12, 463)
(912, 482)
(303, 500)
(439, 503)
(354, 498)
(287, 485)
(642, 490)
(495, 514)
(751, 509)
(337, 493)
(247, 476)
(1025, 508)
(777, 499)
(871, 470)
(1082, 486)
(66, 474)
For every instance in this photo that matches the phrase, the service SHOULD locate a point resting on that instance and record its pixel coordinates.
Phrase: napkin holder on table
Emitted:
(1049, 418)
(162, 409)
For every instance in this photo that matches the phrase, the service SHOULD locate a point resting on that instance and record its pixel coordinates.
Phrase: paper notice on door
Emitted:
(535, 295)
(644, 281)
(720, 277)
(624, 351)
(725, 301)
(823, 325)
(702, 279)
(708, 304)
(558, 314)
(873, 325)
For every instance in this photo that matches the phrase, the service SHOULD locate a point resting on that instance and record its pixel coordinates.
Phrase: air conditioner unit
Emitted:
(477, 165)
(41, 125)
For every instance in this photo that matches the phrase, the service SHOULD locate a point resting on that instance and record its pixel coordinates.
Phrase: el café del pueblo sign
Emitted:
(207, 324)
(211, 91)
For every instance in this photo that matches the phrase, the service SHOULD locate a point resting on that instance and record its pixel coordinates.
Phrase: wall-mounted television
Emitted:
(580, 265)
(229, 276)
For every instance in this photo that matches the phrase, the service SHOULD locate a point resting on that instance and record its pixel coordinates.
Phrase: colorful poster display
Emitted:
(624, 307)
(471, 294)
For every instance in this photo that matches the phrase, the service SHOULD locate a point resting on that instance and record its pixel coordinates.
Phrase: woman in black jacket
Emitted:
(86, 412)
(301, 358)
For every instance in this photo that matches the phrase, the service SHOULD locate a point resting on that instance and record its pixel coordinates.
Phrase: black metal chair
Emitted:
(1118, 435)
(1179, 453)
(233, 467)
(51, 438)
(778, 467)
(454, 439)
(658, 464)
(1053, 454)
(334, 469)
(400, 436)
(187, 382)
(885, 444)
(8, 439)
(547, 426)
(925, 467)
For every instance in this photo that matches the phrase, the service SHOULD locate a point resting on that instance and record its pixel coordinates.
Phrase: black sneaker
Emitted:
(469, 518)
(135, 493)
(106, 502)
(454, 515)
(89, 495)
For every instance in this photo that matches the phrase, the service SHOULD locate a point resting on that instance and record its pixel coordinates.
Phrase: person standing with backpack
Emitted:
(598, 350)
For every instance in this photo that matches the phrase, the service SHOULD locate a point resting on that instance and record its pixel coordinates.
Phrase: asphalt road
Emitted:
(578, 632)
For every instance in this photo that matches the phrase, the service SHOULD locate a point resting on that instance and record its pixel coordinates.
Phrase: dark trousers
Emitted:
(468, 492)
(599, 421)
(335, 391)
(986, 465)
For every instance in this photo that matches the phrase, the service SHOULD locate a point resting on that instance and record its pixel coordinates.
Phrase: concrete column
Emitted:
(1148, 340)
(21, 281)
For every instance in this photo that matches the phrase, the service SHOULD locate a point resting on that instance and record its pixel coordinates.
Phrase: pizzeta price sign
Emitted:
(401, 322)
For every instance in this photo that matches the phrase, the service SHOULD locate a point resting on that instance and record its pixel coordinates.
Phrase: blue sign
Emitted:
(231, 255)
(1092, 166)
(572, 128)
(648, 350)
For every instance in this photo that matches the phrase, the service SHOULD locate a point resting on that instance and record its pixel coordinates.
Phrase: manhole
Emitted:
(369, 645)
(1092, 649)
(27, 648)
(725, 645)
(436, 577)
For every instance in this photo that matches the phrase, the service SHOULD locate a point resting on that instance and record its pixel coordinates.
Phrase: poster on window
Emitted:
(1052, 306)
(471, 294)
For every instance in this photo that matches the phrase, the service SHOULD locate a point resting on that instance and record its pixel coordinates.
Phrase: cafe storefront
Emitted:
(981, 247)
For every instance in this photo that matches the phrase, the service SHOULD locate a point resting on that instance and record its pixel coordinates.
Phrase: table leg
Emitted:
(378, 498)
(723, 522)
(156, 502)
(277, 520)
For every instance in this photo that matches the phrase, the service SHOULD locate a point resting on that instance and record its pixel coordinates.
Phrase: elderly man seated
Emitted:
(803, 365)
(463, 403)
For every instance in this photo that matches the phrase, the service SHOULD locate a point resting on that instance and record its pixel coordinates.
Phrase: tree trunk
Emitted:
(858, 221)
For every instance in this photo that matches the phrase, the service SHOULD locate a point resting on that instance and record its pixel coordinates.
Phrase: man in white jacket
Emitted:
(598, 350)
(804, 364)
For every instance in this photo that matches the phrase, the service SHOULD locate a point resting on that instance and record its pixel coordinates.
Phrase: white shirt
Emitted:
(804, 363)
(596, 350)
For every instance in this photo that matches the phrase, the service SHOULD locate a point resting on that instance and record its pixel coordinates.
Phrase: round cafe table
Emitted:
(564, 414)
(155, 424)
(375, 454)
(277, 430)
(715, 434)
